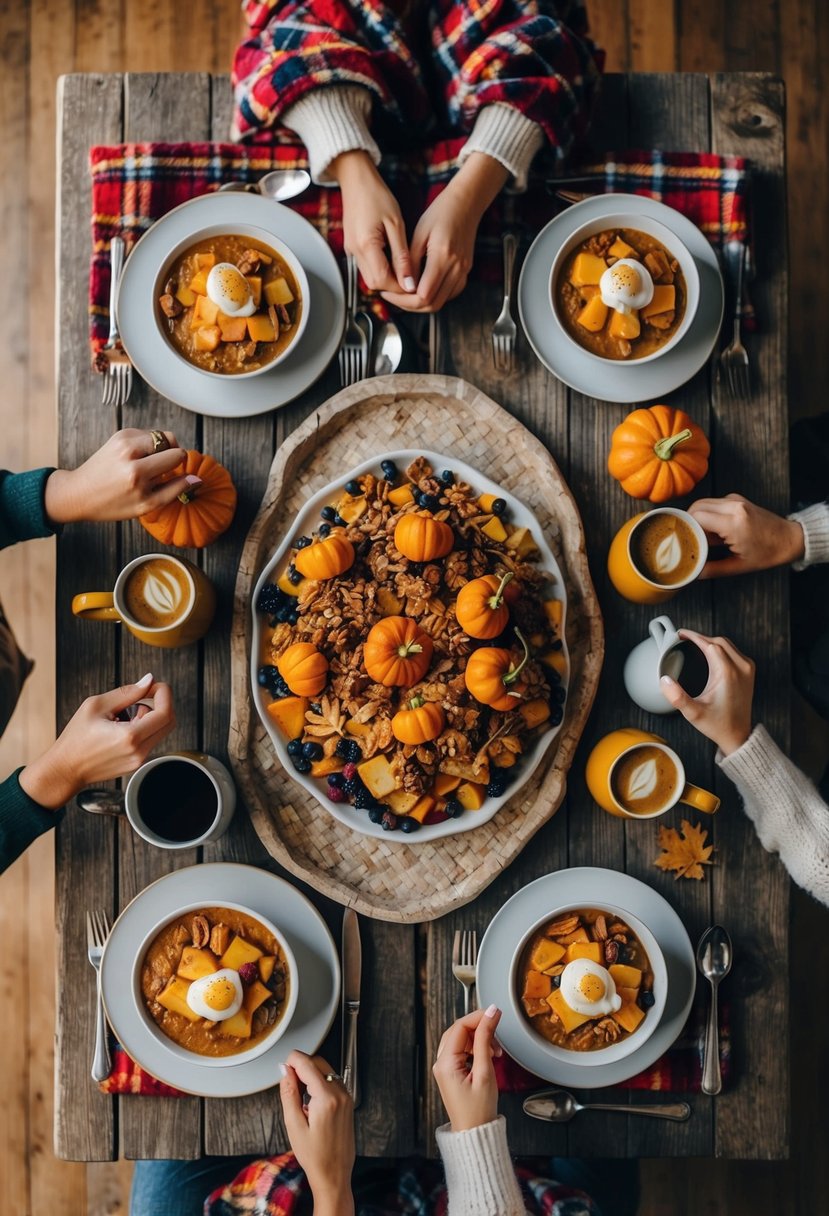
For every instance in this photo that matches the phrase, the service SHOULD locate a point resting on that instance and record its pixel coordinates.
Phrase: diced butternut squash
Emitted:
(260, 328)
(664, 300)
(591, 950)
(266, 966)
(587, 268)
(444, 784)
(521, 542)
(328, 764)
(628, 1016)
(357, 728)
(593, 316)
(421, 808)
(621, 249)
(186, 296)
(207, 338)
(237, 1027)
(537, 984)
(624, 325)
(255, 284)
(205, 261)
(401, 496)
(555, 659)
(198, 283)
(174, 998)
(554, 612)
(350, 509)
(567, 939)
(388, 603)
(285, 584)
(485, 502)
(240, 951)
(255, 995)
(535, 712)
(402, 802)
(377, 776)
(195, 963)
(494, 529)
(625, 976)
(588, 291)
(234, 329)
(547, 954)
(289, 715)
(471, 795)
(278, 292)
(568, 1017)
(206, 311)
(468, 770)
(629, 995)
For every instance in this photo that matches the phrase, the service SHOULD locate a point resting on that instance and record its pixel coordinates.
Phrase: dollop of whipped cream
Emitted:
(668, 554)
(163, 593)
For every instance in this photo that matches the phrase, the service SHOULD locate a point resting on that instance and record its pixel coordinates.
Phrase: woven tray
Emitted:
(393, 880)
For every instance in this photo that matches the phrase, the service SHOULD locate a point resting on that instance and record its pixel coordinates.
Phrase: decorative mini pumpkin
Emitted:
(492, 677)
(326, 558)
(421, 537)
(420, 723)
(658, 453)
(197, 516)
(480, 606)
(397, 651)
(303, 668)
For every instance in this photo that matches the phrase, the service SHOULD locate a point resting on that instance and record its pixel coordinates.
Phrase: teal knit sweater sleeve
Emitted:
(22, 820)
(22, 510)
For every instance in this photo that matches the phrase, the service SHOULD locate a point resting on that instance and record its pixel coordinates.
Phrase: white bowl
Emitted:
(239, 1057)
(271, 241)
(632, 1042)
(641, 223)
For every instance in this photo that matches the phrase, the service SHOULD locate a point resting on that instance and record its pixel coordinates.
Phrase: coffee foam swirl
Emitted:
(163, 593)
(642, 781)
(668, 554)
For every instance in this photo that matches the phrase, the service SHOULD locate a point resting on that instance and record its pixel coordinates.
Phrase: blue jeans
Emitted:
(179, 1188)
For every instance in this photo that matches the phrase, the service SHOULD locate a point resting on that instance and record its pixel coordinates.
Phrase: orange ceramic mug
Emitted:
(628, 578)
(635, 775)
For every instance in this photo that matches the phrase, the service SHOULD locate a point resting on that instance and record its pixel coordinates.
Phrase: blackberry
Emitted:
(336, 780)
(388, 469)
(363, 800)
(415, 569)
(454, 808)
(353, 488)
(376, 813)
(497, 786)
(647, 1000)
(354, 786)
(270, 598)
(294, 576)
(558, 693)
(324, 529)
(301, 764)
(448, 479)
(499, 507)
(312, 751)
(302, 542)
(389, 821)
(295, 747)
(556, 645)
(556, 714)
(349, 749)
(328, 513)
(430, 502)
(407, 824)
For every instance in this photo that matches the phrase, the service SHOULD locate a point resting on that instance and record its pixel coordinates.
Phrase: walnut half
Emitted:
(219, 939)
(200, 931)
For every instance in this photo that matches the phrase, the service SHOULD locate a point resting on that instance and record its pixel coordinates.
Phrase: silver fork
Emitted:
(734, 359)
(118, 376)
(505, 331)
(464, 962)
(97, 932)
(354, 349)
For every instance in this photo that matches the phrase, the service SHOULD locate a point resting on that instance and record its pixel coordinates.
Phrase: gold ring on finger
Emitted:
(160, 443)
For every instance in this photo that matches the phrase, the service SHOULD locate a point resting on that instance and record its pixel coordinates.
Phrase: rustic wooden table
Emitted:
(101, 862)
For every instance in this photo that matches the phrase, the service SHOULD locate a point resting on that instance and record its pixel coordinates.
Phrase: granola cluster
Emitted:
(350, 720)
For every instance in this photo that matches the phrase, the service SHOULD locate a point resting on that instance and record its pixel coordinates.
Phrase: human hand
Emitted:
(470, 1095)
(722, 711)
(321, 1133)
(757, 539)
(94, 746)
(119, 481)
(371, 223)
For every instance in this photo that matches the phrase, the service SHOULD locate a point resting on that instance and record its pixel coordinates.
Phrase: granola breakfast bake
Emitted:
(412, 647)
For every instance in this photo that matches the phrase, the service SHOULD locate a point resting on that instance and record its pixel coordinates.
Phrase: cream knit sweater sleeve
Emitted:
(480, 1180)
(789, 814)
(814, 521)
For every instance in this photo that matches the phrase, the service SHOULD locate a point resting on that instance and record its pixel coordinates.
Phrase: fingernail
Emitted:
(665, 680)
(409, 283)
(147, 679)
(282, 1069)
(192, 480)
(491, 1011)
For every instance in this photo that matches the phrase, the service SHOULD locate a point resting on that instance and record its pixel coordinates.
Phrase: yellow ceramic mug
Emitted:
(174, 608)
(604, 762)
(628, 579)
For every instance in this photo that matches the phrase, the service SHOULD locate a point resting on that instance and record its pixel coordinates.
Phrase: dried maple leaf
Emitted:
(687, 853)
(330, 722)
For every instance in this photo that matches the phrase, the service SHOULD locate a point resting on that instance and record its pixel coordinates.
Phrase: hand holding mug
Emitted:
(95, 746)
(321, 1132)
(722, 711)
(470, 1095)
(119, 481)
(756, 539)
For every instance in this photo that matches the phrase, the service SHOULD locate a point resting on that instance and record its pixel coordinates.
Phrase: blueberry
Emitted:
(407, 824)
(417, 495)
(293, 617)
(353, 488)
(447, 477)
(556, 645)
(499, 506)
(316, 707)
(339, 522)
(430, 502)
(267, 676)
(337, 780)
(556, 714)
(301, 764)
(324, 529)
(376, 813)
(294, 576)
(454, 808)
(328, 513)
(556, 981)
(647, 1000)
(552, 676)
(282, 613)
(558, 693)
(312, 751)
(295, 747)
(302, 542)
(388, 469)
(416, 569)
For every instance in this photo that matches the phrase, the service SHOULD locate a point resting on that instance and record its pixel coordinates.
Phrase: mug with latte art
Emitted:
(164, 601)
(635, 775)
(655, 554)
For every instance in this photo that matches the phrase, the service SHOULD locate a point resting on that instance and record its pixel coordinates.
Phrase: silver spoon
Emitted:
(714, 962)
(559, 1106)
(279, 185)
(389, 349)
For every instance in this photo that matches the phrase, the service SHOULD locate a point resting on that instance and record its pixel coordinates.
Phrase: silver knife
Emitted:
(352, 956)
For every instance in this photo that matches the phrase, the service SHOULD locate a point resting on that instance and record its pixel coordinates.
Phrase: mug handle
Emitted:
(663, 633)
(700, 799)
(95, 606)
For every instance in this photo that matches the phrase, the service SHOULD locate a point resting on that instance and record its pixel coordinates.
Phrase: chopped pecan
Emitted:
(564, 925)
(250, 261)
(617, 926)
(200, 931)
(219, 939)
(600, 929)
(170, 306)
(607, 1029)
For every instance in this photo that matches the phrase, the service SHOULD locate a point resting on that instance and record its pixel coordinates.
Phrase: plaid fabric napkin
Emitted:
(127, 1077)
(679, 1070)
(135, 184)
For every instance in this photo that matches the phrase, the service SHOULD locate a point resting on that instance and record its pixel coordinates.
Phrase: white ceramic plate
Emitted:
(306, 521)
(316, 956)
(588, 887)
(230, 397)
(615, 380)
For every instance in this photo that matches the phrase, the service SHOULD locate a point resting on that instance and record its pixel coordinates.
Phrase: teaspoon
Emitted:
(279, 185)
(389, 349)
(714, 962)
(559, 1106)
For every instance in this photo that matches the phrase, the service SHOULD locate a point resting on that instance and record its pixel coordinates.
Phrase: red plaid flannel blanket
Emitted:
(135, 184)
